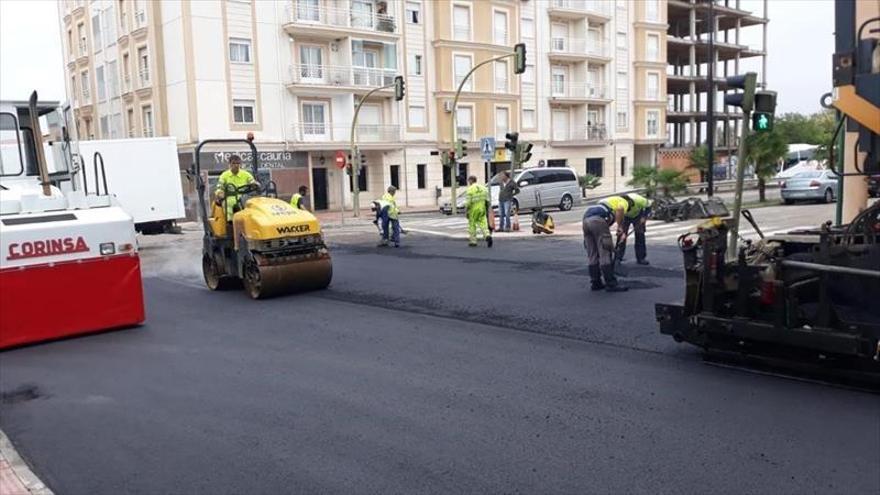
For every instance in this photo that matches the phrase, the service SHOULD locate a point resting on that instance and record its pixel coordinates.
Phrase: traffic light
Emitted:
(519, 58)
(349, 165)
(399, 88)
(746, 83)
(461, 148)
(765, 109)
(512, 140)
(524, 153)
(363, 161)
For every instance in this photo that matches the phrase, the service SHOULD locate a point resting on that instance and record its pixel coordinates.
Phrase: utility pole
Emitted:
(745, 101)
(710, 101)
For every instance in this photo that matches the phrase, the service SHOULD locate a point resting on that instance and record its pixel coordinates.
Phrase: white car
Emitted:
(553, 187)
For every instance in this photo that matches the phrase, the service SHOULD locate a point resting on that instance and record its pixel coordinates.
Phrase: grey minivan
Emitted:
(557, 186)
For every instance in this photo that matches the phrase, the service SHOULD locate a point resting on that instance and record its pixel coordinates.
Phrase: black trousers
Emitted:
(639, 231)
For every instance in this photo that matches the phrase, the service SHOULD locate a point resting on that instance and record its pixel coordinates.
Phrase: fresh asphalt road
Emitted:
(430, 368)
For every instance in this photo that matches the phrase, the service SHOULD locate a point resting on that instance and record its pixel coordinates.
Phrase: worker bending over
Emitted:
(597, 241)
(229, 182)
(477, 204)
(388, 212)
(298, 200)
(637, 217)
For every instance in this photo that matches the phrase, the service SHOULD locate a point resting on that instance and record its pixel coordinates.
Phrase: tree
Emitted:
(588, 181)
(815, 129)
(765, 150)
(699, 160)
(651, 180)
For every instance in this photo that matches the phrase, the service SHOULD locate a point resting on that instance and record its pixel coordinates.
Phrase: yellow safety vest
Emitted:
(295, 199)
(639, 204)
(393, 211)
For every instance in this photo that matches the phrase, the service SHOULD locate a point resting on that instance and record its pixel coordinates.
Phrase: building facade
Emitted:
(593, 96)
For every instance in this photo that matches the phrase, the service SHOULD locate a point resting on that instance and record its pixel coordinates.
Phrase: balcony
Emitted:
(140, 23)
(344, 77)
(321, 132)
(578, 92)
(590, 134)
(465, 132)
(86, 97)
(144, 77)
(596, 10)
(336, 23)
(577, 49)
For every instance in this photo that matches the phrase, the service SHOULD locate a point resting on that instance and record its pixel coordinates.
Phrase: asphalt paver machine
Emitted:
(808, 300)
(268, 246)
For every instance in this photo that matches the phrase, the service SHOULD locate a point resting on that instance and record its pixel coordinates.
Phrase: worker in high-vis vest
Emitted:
(477, 205)
(388, 212)
(298, 200)
(597, 223)
(229, 183)
(637, 217)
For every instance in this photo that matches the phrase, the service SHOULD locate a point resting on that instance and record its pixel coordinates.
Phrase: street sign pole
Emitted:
(340, 164)
(738, 197)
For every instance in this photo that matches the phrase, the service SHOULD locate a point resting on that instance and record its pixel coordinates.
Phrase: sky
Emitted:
(800, 39)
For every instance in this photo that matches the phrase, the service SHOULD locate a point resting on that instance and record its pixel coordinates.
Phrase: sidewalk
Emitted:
(16, 478)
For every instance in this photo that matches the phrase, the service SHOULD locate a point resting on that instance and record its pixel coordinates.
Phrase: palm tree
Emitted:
(668, 182)
(699, 160)
(588, 181)
(765, 150)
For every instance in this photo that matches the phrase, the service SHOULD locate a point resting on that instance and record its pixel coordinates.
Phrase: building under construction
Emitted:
(690, 52)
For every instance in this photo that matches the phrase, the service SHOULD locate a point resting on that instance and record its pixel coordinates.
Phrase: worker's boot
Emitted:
(611, 283)
(596, 278)
(489, 240)
(643, 261)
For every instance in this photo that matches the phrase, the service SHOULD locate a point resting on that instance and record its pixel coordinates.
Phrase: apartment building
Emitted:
(291, 72)
(688, 82)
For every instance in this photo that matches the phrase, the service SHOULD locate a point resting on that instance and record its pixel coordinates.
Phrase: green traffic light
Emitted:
(762, 122)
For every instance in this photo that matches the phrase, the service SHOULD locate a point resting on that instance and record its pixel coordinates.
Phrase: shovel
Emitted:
(617, 263)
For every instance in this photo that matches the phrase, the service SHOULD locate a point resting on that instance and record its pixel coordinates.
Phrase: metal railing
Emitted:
(148, 131)
(594, 132)
(140, 19)
(321, 132)
(330, 75)
(585, 6)
(303, 13)
(144, 76)
(578, 90)
(465, 132)
(86, 94)
(578, 46)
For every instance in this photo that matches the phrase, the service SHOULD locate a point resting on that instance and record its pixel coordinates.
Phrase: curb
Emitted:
(21, 473)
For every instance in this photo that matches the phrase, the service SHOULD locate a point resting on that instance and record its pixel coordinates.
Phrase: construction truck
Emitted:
(268, 246)
(69, 262)
(806, 300)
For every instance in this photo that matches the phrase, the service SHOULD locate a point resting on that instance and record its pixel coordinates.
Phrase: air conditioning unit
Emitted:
(447, 106)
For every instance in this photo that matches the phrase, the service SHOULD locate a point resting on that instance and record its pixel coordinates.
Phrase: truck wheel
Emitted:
(566, 203)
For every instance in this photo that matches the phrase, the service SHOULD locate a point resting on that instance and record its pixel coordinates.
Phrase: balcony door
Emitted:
(311, 59)
(594, 81)
(595, 38)
(559, 37)
(369, 123)
(308, 10)
(366, 64)
(314, 121)
(362, 14)
(560, 125)
(558, 78)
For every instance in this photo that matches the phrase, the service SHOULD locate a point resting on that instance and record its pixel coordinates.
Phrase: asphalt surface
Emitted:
(430, 368)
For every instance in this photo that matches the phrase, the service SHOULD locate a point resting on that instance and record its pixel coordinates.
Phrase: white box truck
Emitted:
(143, 174)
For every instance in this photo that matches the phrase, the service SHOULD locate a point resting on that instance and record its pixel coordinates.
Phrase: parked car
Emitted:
(817, 185)
(557, 186)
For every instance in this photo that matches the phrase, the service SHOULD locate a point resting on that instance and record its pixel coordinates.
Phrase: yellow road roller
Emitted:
(268, 246)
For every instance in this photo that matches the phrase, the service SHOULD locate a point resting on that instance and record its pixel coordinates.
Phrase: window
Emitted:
(83, 42)
(313, 119)
(240, 50)
(102, 88)
(557, 81)
(622, 80)
(421, 181)
(73, 87)
(86, 83)
(362, 180)
(96, 32)
(528, 28)
(652, 88)
(501, 77)
(413, 13)
(652, 128)
(528, 119)
(144, 66)
(70, 42)
(461, 66)
(595, 166)
(502, 122)
(112, 79)
(116, 126)
(147, 117)
(308, 10)
(528, 77)
(447, 176)
(109, 25)
(621, 40)
(311, 65)
(499, 27)
(465, 122)
(104, 125)
(130, 121)
(415, 65)
(622, 119)
(417, 116)
(461, 23)
(652, 10)
(243, 111)
(10, 152)
(462, 174)
(653, 48)
(126, 74)
(623, 165)
(395, 176)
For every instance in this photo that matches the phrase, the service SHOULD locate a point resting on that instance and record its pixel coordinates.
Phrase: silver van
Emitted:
(557, 186)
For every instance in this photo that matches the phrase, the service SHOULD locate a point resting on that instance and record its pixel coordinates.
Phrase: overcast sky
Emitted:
(800, 40)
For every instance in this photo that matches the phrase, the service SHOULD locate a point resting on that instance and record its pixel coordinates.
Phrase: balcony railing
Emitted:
(86, 96)
(578, 90)
(303, 13)
(83, 47)
(602, 7)
(140, 19)
(578, 46)
(594, 132)
(144, 77)
(352, 75)
(323, 132)
(465, 132)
